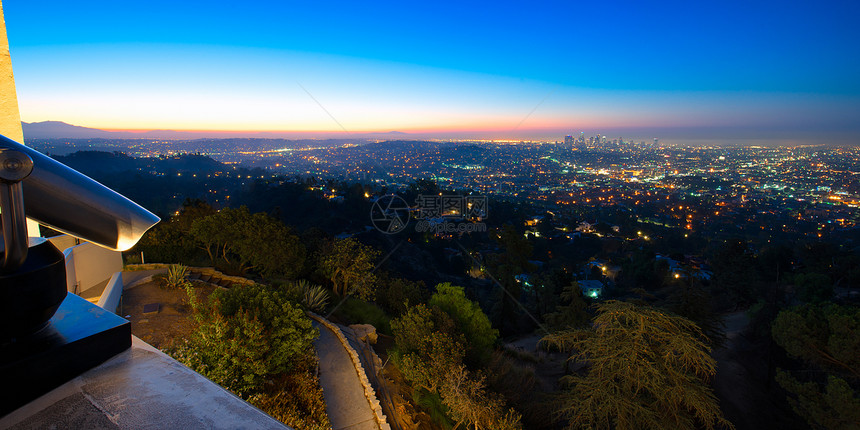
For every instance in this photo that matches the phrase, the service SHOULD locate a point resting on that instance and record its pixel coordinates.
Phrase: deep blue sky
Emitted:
(444, 65)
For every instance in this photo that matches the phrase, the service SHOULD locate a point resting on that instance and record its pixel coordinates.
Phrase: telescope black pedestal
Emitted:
(77, 338)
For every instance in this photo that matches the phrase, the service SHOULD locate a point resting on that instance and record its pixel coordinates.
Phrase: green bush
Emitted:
(356, 311)
(469, 320)
(296, 398)
(245, 335)
(131, 259)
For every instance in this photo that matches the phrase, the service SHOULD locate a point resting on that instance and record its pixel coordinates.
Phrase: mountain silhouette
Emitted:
(59, 129)
(62, 130)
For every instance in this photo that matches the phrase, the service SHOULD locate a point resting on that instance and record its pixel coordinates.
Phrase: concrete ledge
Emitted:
(369, 393)
(139, 388)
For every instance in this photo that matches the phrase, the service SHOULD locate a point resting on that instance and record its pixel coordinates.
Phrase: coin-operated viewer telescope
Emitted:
(48, 336)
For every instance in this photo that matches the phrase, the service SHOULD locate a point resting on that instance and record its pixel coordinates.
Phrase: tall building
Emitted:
(568, 140)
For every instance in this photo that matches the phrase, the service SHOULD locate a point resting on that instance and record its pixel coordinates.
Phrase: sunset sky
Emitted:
(684, 69)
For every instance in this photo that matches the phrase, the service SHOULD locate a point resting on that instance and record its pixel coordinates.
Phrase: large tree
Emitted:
(736, 274)
(428, 346)
(217, 233)
(396, 294)
(170, 241)
(469, 401)
(573, 313)
(690, 299)
(469, 319)
(825, 392)
(249, 241)
(349, 266)
(504, 266)
(647, 369)
(270, 247)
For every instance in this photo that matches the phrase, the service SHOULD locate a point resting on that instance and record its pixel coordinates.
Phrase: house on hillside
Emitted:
(591, 288)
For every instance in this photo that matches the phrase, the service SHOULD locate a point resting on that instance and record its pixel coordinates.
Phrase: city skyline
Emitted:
(756, 72)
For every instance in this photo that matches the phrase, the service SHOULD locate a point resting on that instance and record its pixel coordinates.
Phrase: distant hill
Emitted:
(99, 163)
(62, 130)
(59, 129)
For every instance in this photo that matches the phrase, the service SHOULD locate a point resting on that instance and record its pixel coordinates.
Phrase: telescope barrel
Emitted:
(64, 199)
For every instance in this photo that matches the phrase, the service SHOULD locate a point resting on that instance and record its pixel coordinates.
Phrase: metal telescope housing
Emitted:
(64, 199)
(32, 273)
(14, 167)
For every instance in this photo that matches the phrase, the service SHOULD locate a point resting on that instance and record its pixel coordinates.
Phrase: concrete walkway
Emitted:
(346, 405)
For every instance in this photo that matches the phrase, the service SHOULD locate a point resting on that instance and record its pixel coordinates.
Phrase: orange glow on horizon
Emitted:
(494, 128)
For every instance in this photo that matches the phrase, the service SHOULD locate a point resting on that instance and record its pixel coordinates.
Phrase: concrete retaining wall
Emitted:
(202, 270)
(214, 273)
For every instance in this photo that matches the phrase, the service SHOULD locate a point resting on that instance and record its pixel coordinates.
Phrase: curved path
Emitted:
(346, 405)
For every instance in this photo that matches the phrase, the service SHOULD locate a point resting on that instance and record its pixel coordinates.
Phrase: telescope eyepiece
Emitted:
(14, 165)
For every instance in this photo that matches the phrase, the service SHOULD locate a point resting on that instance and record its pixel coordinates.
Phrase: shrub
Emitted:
(244, 336)
(313, 297)
(176, 275)
(296, 398)
(360, 312)
(469, 319)
(469, 402)
(426, 349)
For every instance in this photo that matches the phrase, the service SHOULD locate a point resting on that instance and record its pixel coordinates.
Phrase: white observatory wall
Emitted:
(87, 265)
(94, 265)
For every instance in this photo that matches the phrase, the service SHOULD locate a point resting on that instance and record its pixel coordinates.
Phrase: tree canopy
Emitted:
(647, 369)
(427, 345)
(825, 338)
(468, 318)
(251, 241)
(430, 352)
(573, 314)
(349, 266)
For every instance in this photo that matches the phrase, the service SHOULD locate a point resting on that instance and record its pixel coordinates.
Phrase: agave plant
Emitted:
(176, 275)
(314, 297)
